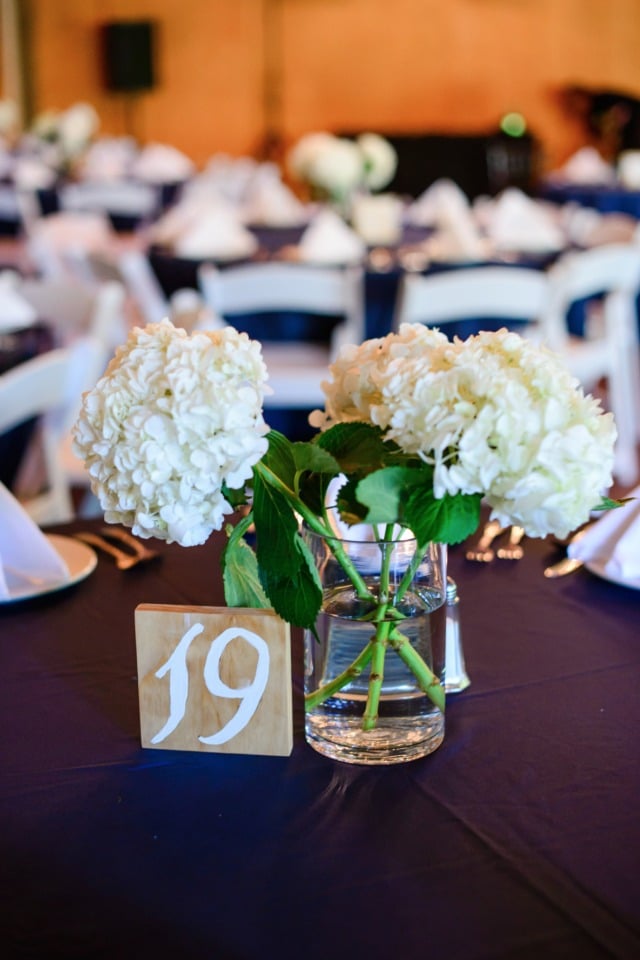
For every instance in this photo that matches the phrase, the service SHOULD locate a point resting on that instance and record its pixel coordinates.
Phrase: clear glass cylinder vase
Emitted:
(378, 644)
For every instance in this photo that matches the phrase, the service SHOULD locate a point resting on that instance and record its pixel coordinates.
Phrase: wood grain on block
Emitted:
(214, 679)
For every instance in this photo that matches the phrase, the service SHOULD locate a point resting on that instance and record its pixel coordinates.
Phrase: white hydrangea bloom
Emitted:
(303, 154)
(494, 414)
(337, 168)
(172, 419)
(380, 160)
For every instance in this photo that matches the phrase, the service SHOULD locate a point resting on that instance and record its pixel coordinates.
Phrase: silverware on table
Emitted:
(563, 567)
(124, 559)
(512, 550)
(567, 564)
(482, 551)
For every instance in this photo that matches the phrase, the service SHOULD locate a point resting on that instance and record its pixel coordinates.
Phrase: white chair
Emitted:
(49, 238)
(488, 293)
(609, 350)
(50, 387)
(74, 310)
(133, 270)
(296, 368)
(118, 198)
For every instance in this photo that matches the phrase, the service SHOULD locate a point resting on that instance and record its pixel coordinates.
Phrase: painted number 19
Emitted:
(249, 695)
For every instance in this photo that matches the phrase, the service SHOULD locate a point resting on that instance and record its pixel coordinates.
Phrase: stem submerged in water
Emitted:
(387, 619)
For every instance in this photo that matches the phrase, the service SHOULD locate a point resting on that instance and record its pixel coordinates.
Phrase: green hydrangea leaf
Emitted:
(384, 492)
(286, 569)
(242, 587)
(358, 447)
(296, 598)
(450, 519)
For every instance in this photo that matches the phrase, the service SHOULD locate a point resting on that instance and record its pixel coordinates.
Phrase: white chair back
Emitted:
(49, 387)
(75, 310)
(49, 238)
(499, 293)
(611, 352)
(296, 368)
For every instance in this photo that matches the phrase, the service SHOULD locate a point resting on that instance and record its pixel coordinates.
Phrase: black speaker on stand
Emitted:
(128, 55)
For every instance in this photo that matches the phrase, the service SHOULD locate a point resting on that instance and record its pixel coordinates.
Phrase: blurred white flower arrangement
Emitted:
(65, 135)
(335, 167)
(419, 428)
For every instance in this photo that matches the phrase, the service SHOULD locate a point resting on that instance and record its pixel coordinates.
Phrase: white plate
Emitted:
(80, 559)
(599, 570)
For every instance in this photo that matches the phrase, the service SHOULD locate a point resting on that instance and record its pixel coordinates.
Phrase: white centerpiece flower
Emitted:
(173, 420)
(338, 166)
(417, 429)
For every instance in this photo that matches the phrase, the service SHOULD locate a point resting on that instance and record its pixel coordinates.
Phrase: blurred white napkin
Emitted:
(30, 173)
(218, 234)
(329, 240)
(629, 169)
(586, 166)
(270, 201)
(26, 556)
(161, 163)
(443, 194)
(445, 206)
(109, 158)
(16, 313)
(613, 541)
(515, 222)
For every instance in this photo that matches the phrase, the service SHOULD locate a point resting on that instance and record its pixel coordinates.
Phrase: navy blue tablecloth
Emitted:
(605, 199)
(519, 838)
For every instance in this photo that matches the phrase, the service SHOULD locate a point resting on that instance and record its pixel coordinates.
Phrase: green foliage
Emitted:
(404, 494)
(286, 569)
(242, 587)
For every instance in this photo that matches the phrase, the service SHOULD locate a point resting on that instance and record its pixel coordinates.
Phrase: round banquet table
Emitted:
(518, 839)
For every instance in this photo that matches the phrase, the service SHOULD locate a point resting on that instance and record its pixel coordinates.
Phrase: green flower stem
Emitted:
(427, 680)
(376, 674)
(411, 570)
(386, 632)
(354, 670)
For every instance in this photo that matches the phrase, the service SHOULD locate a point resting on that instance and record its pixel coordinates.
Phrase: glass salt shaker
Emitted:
(456, 678)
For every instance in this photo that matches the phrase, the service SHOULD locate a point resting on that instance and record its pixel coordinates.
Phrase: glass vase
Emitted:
(379, 643)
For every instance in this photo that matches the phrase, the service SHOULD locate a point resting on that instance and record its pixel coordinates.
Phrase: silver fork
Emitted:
(482, 551)
(512, 549)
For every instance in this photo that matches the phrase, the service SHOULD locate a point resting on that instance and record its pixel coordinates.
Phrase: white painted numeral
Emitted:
(249, 695)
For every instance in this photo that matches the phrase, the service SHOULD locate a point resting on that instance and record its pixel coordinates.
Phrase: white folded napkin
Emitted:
(217, 233)
(161, 163)
(613, 541)
(16, 313)
(329, 240)
(270, 201)
(518, 223)
(441, 195)
(629, 169)
(108, 159)
(586, 166)
(30, 173)
(26, 556)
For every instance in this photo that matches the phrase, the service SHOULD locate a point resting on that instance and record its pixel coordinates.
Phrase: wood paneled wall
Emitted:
(387, 65)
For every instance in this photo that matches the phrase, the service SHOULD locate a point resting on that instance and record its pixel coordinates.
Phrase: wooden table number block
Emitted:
(214, 679)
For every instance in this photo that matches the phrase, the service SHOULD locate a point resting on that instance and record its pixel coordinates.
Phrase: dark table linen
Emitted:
(518, 839)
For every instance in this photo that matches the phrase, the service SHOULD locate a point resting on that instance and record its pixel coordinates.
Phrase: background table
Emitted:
(518, 839)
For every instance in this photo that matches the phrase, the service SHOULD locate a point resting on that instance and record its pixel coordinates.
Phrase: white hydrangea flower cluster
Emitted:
(339, 166)
(380, 160)
(495, 414)
(172, 419)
